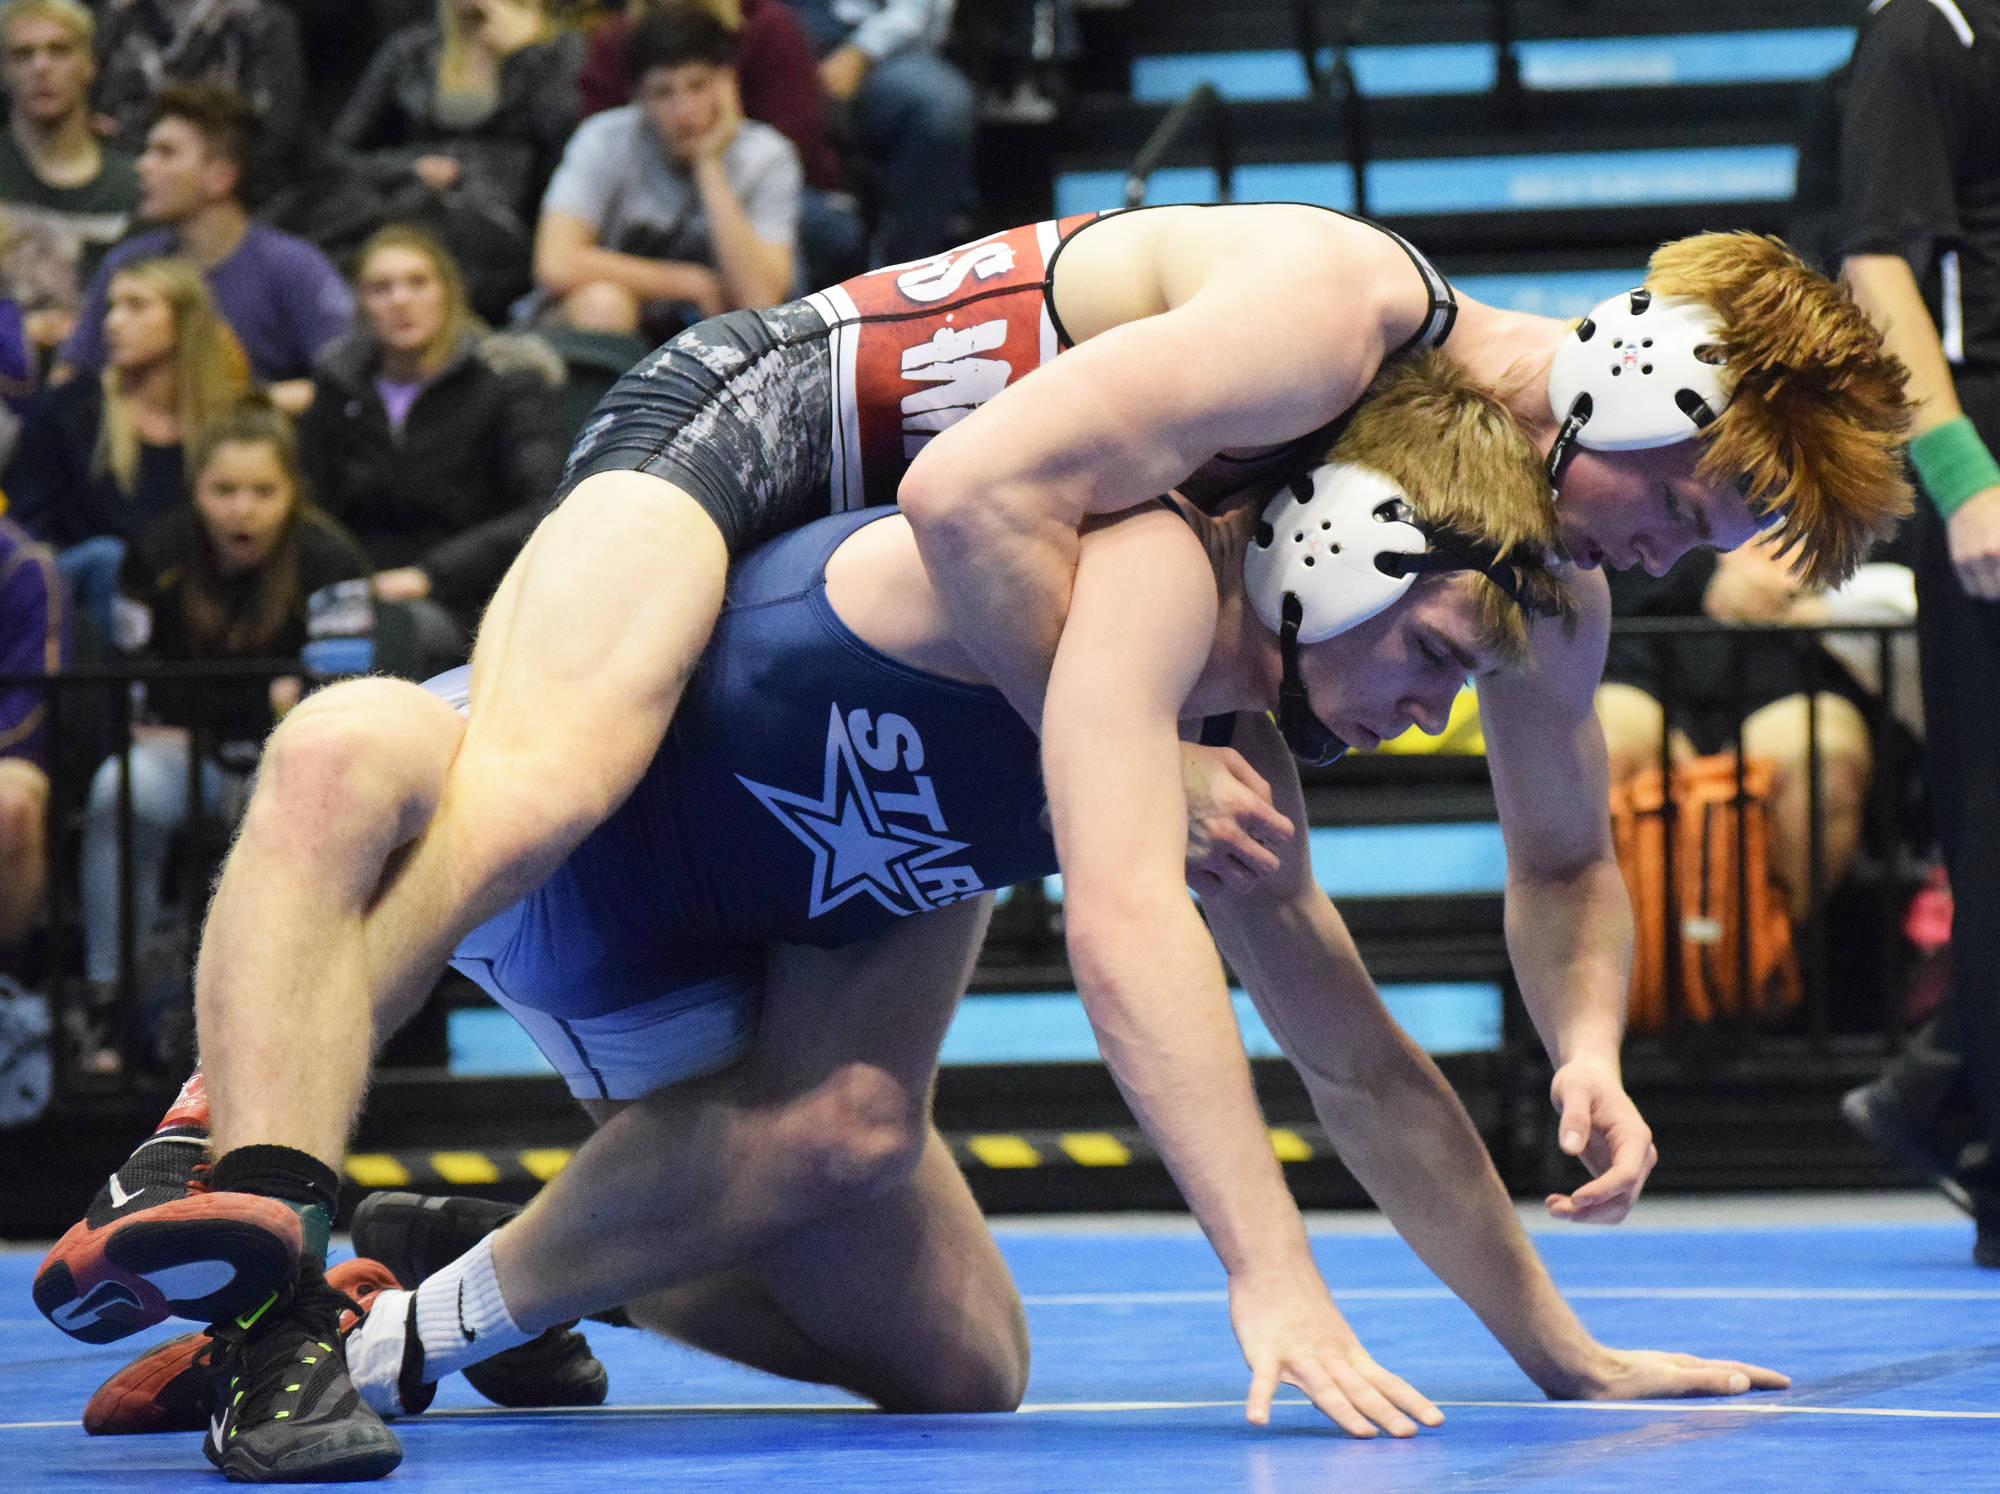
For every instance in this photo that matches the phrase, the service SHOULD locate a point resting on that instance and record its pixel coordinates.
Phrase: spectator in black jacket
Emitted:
(239, 572)
(462, 119)
(436, 443)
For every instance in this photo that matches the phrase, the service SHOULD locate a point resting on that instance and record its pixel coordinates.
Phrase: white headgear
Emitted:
(1633, 375)
(1319, 541)
(1335, 548)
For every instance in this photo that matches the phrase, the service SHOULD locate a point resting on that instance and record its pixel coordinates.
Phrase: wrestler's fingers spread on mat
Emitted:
(1646, 1374)
(1359, 1396)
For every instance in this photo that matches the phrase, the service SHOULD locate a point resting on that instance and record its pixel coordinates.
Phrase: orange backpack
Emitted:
(1708, 912)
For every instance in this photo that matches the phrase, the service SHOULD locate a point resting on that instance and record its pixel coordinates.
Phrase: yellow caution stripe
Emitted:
(985, 1151)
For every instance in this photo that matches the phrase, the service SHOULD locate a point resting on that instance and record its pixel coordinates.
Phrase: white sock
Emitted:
(461, 1316)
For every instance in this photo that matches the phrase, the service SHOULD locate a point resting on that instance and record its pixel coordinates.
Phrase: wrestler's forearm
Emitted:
(1160, 1009)
(754, 273)
(1403, 1133)
(1400, 1128)
(1570, 938)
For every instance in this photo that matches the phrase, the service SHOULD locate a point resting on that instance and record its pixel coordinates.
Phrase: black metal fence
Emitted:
(90, 718)
(1852, 957)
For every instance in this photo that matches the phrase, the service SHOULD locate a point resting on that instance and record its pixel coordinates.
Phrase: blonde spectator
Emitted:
(475, 105)
(434, 441)
(101, 457)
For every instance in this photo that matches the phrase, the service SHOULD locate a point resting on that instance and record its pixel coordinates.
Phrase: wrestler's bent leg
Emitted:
(579, 663)
(830, 1109)
(903, 1299)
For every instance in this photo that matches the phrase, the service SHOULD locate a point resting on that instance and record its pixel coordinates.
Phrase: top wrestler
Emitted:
(1095, 363)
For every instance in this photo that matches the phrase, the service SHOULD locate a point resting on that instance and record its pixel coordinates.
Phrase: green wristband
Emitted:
(1953, 464)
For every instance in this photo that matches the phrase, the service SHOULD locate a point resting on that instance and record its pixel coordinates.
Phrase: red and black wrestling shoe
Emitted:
(158, 1243)
(169, 1389)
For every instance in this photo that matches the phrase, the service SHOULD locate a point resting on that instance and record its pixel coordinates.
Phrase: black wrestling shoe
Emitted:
(1875, 1113)
(1986, 1244)
(416, 1236)
(169, 1389)
(555, 1368)
(285, 1410)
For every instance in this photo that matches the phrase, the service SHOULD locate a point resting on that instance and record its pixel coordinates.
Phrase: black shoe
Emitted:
(1875, 1113)
(417, 1236)
(556, 1368)
(1986, 1243)
(286, 1411)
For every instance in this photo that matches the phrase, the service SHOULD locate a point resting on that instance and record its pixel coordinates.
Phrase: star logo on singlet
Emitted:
(856, 851)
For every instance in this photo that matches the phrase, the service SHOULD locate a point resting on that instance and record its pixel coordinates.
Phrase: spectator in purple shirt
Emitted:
(32, 641)
(280, 295)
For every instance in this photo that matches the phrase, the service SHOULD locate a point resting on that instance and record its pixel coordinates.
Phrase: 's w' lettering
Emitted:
(934, 279)
(961, 382)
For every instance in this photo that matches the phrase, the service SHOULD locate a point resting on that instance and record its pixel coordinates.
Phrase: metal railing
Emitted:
(1332, 82)
(1891, 846)
(1202, 109)
(71, 778)
(1889, 857)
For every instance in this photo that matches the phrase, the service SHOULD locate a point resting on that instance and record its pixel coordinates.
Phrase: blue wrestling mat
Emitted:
(1891, 1335)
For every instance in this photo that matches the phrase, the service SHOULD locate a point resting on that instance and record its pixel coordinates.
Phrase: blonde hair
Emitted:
(1467, 466)
(69, 14)
(1815, 428)
(451, 73)
(460, 321)
(210, 370)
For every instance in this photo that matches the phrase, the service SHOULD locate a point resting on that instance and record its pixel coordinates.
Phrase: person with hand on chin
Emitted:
(674, 207)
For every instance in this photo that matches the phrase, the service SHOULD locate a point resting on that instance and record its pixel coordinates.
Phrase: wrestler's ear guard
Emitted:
(1334, 549)
(1640, 371)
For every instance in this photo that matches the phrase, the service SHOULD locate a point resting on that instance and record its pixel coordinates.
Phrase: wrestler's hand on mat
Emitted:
(1648, 1374)
(1292, 1334)
(1232, 826)
(1973, 534)
(1603, 1128)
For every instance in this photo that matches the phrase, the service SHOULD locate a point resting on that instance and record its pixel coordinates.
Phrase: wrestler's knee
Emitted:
(865, 1132)
(985, 1368)
(366, 754)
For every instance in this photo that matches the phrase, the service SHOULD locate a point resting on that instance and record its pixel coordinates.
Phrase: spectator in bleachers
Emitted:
(909, 115)
(434, 442)
(250, 47)
(65, 196)
(675, 207)
(473, 107)
(777, 81)
(33, 639)
(281, 297)
(231, 574)
(100, 458)
(1748, 585)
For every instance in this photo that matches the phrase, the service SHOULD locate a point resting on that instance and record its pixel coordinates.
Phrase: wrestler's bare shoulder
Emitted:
(1296, 258)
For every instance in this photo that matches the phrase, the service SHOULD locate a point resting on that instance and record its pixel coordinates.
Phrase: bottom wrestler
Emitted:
(746, 973)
